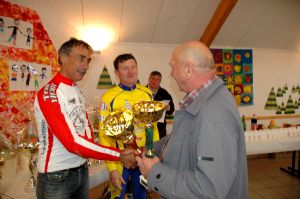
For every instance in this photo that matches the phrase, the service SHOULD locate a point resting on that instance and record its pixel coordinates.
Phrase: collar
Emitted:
(127, 88)
(190, 97)
(64, 79)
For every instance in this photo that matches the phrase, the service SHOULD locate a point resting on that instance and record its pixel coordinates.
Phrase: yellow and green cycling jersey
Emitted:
(123, 96)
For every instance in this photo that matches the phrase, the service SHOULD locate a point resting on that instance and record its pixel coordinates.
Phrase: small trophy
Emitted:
(119, 125)
(148, 112)
(33, 149)
(2, 162)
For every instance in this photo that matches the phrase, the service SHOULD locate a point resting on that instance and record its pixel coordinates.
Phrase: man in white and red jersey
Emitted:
(65, 135)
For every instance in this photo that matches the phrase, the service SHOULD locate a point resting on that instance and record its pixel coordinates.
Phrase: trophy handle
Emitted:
(149, 141)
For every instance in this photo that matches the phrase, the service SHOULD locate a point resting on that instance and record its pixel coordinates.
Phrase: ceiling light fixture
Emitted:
(98, 37)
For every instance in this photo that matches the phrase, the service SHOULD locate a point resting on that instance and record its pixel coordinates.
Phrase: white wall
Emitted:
(270, 68)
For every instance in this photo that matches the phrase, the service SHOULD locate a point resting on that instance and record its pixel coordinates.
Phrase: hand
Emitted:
(145, 164)
(168, 107)
(116, 179)
(127, 158)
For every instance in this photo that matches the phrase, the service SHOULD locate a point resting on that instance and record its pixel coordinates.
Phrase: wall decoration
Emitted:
(234, 67)
(34, 50)
(279, 93)
(104, 80)
(271, 103)
(278, 110)
(24, 76)
(290, 108)
(291, 97)
(15, 32)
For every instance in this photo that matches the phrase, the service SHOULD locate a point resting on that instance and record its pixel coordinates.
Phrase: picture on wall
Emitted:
(285, 100)
(235, 68)
(25, 76)
(16, 33)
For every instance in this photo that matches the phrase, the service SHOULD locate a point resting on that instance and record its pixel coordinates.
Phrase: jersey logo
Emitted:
(78, 117)
(50, 92)
(72, 101)
(103, 107)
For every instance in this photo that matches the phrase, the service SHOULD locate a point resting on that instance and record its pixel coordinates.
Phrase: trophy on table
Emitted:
(2, 162)
(32, 148)
(148, 112)
(119, 125)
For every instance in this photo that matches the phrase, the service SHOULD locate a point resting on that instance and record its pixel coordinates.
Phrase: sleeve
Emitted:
(216, 163)
(106, 140)
(62, 127)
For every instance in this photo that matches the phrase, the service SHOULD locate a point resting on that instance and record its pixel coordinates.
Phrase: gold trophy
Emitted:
(119, 125)
(148, 112)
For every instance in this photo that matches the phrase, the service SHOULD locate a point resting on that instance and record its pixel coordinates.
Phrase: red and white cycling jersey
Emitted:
(64, 132)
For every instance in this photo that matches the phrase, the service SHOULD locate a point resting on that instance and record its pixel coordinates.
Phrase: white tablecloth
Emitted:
(272, 140)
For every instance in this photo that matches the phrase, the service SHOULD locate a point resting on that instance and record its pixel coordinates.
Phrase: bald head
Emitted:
(192, 64)
(196, 53)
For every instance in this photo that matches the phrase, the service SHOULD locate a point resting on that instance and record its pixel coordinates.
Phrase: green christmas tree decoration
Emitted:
(283, 90)
(296, 104)
(290, 108)
(298, 88)
(286, 87)
(282, 107)
(278, 110)
(279, 93)
(294, 89)
(299, 101)
(271, 103)
(104, 80)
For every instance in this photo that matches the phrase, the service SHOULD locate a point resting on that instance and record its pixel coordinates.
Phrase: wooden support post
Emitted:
(222, 12)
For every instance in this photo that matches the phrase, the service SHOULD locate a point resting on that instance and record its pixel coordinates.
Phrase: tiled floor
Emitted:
(266, 180)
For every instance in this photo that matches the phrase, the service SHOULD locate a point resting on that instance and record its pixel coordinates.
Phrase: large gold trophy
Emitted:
(148, 112)
(119, 125)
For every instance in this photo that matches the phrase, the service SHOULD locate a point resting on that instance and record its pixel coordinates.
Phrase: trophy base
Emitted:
(150, 154)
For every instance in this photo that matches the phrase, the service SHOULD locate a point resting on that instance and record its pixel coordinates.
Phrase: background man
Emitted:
(160, 94)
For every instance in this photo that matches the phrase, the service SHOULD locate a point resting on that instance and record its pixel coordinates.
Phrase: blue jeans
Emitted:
(65, 184)
(138, 191)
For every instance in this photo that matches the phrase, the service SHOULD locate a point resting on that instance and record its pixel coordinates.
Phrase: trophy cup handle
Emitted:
(149, 141)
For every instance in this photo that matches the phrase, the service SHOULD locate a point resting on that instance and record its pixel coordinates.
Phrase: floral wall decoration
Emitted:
(23, 41)
(235, 68)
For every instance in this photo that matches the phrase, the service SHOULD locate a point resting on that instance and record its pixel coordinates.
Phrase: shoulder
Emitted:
(112, 91)
(144, 89)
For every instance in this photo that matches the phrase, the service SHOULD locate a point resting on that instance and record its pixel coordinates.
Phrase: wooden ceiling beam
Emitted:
(222, 12)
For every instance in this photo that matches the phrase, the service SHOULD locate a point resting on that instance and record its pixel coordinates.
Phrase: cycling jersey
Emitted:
(65, 135)
(122, 96)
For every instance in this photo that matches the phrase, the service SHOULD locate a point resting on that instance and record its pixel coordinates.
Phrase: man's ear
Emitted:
(188, 69)
(63, 58)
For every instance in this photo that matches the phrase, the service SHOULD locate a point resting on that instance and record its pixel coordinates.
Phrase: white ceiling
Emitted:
(271, 24)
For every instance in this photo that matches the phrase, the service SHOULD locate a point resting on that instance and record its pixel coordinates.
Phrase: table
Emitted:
(276, 140)
(16, 175)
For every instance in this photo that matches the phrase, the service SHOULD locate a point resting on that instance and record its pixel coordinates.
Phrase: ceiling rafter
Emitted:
(216, 22)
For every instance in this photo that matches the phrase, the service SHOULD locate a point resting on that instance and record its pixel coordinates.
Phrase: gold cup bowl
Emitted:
(149, 112)
(119, 125)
